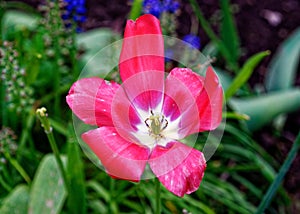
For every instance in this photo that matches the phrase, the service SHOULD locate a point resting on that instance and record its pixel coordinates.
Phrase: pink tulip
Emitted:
(142, 120)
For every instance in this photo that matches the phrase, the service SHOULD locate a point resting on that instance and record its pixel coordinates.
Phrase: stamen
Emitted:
(156, 123)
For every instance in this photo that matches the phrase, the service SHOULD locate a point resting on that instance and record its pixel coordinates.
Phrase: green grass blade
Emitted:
(99, 189)
(225, 193)
(210, 33)
(229, 33)
(75, 169)
(276, 183)
(246, 183)
(245, 73)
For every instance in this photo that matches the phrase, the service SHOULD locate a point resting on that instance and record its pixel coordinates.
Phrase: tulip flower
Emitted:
(142, 120)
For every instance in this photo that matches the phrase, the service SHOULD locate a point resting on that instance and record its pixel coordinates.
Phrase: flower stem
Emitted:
(157, 197)
(43, 116)
(276, 183)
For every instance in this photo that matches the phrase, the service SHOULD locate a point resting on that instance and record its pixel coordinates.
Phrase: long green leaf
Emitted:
(226, 193)
(47, 192)
(77, 195)
(16, 202)
(263, 109)
(210, 33)
(229, 33)
(95, 40)
(16, 20)
(283, 67)
(99, 189)
(276, 183)
(245, 73)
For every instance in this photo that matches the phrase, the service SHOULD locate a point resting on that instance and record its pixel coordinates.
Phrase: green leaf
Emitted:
(226, 193)
(101, 63)
(99, 189)
(229, 33)
(136, 9)
(102, 52)
(48, 192)
(97, 39)
(76, 199)
(245, 73)
(16, 20)
(265, 108)
(283, 67)
(278, 180)
(211, 34)
(16, 202)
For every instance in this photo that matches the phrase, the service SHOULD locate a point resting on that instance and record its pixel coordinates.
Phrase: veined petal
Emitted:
(143, 47)
(90, 99)
(121, 159)
(208, 95)
(190, 79)
(145, 91)
(124, 116)
(210, 102)
(180, 104)
(181, 178)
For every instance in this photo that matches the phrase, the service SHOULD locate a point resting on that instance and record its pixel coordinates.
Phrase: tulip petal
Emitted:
(210, 102)
(121, 159)
(124, 116)
(181, 178)
(143, 47)
(190, 79)
(180, 104)
(208, 94)
(90, 99)
(145, 91)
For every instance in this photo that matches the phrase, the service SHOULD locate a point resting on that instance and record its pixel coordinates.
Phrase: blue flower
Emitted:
(192, 40)
(75, 10)
(157, 7)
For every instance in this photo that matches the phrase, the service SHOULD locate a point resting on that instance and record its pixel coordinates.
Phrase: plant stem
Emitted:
(26, 130)
(4, 104)
(157, 197)
(4, 184)
(276, 183)
(18, 167)
(59, 92)
(41, 113)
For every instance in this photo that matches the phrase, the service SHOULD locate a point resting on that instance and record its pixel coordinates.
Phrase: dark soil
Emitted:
(262, 25)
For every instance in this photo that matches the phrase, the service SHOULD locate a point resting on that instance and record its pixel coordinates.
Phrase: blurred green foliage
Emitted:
(52, 56)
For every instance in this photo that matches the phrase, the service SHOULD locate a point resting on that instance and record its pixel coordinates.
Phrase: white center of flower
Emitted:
(156, 123)
(156, 129)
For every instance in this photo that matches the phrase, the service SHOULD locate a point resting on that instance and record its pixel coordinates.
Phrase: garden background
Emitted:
(254, 47)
